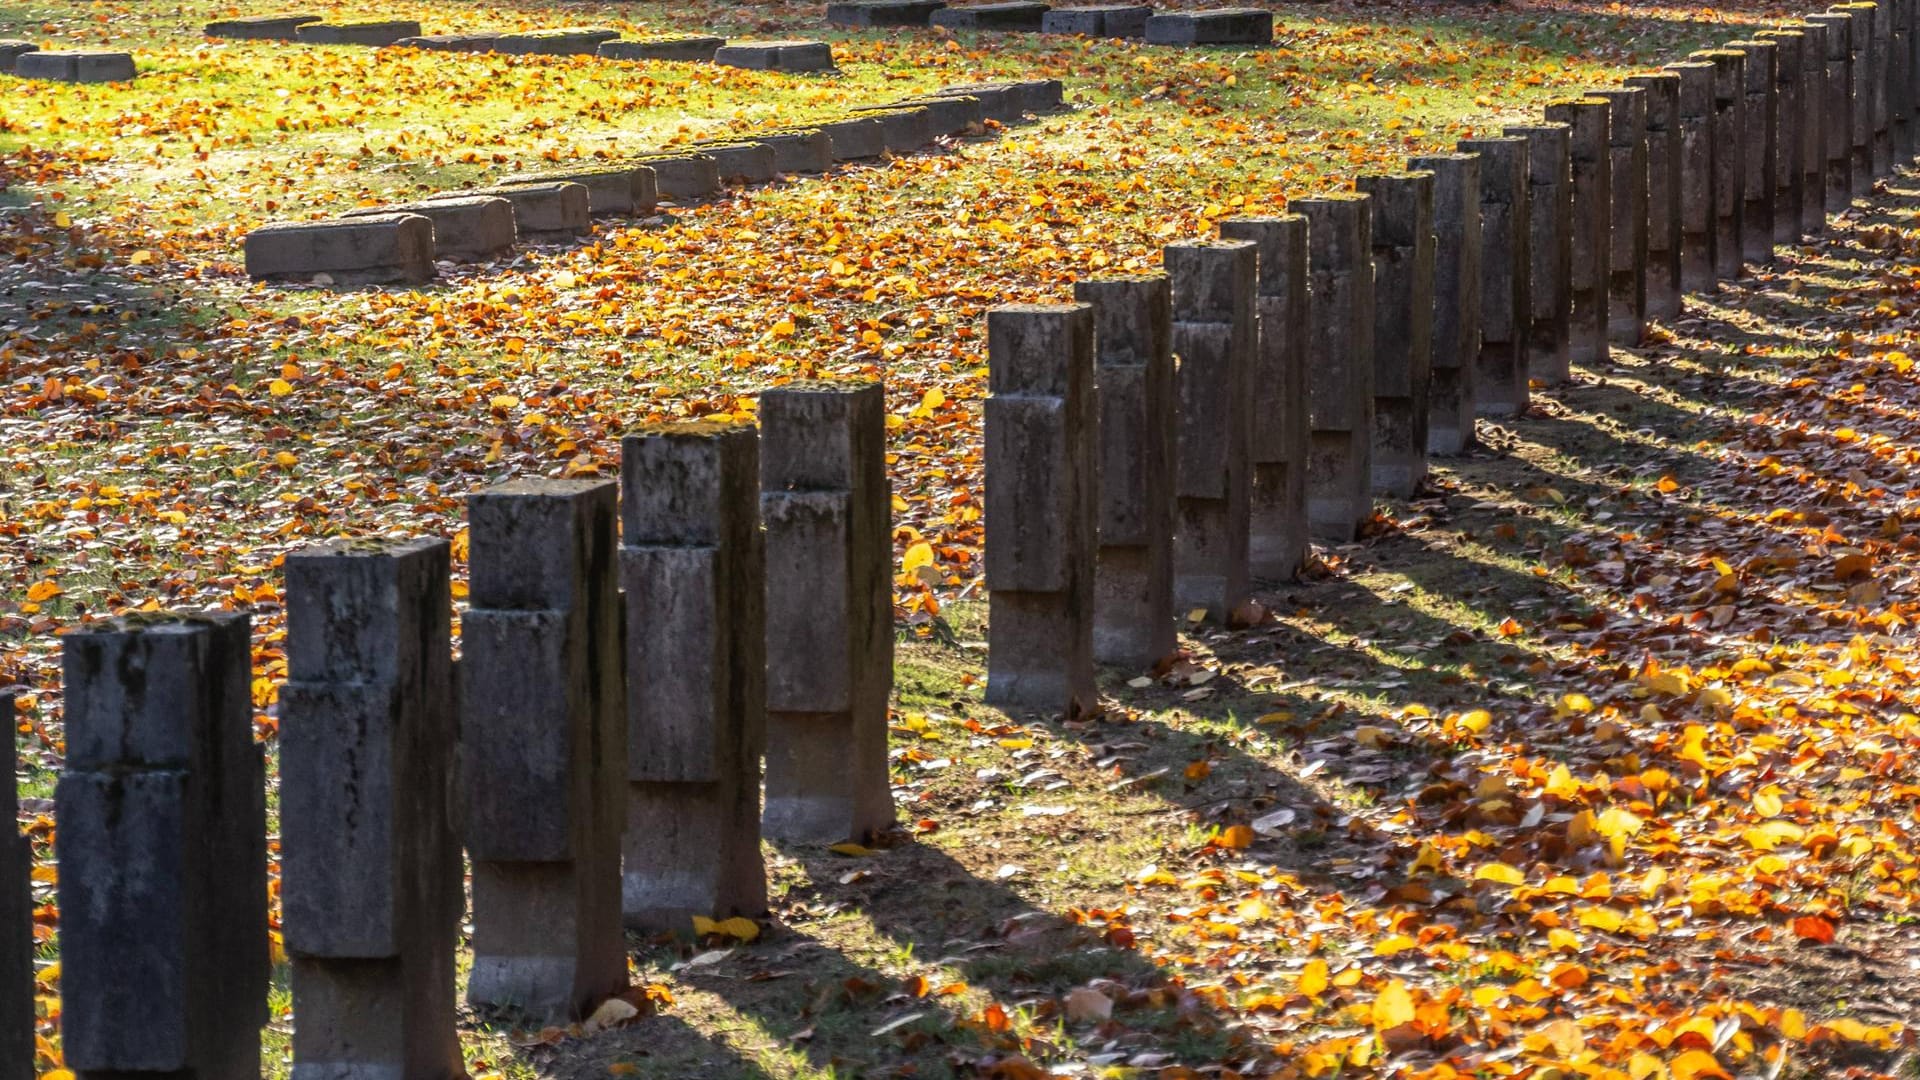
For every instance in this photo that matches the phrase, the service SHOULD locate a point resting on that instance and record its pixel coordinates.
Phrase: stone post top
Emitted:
(686, 430)
(1786, 31)
(539, 487)
(1612, 92)
(1654, 78)
(1586, 98)
(1034, 348)
(1114, 281)
(1221, 244)
(1398, 176)
(1719, 57)
(155, 622)
(1265, 219)
(1546, 129)
(360, 221)
(1430, 162)
(1031, 310)
(366, 547)
(1328, 199)
(1491, 142)
(1861, 5)
(836, 387)
(1746, 44)
(1681, 68)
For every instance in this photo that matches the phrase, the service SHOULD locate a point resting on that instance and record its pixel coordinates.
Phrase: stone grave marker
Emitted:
(1340, 352)
(1457, 283)
(1402, 238)
(1506, 277)
(1277, 438)
(371, 249)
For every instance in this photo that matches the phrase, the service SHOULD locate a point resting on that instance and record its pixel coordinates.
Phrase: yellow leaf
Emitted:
(850, 848)
(279, 388)
(141, 257)
(1501, 873)
(1398, 943)
(917, 556)
(62, 219)
(741, 928)
(1393, 1007)
(1313, 978)
(503, 402)
(1767, 804)
(42, 591)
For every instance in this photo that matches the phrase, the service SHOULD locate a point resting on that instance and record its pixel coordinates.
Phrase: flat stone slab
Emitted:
(470, 43)
(571, 41)
(906, 128)
(682, 175)
(856, 137)
(866, 14)
(75, 67)
(259, 27)
(741, 162)
(1005, 101)
(12, 50)
(375, 34)
(677, 49)
(799, 150)
(371, 249)
(1223, 26)
(1099, 20)
(956, 114)
(469, 228)
(611, 189)
(547, 213)
(1013, 15)
(776, 55)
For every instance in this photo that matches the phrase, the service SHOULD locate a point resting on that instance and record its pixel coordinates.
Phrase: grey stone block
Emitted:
(681, 175)
(542, 213)
(1009, 101)
(693, 568)
(828, 511)
(1791, 142)
(1455, 342)
(1813, 127)
(685, 49)
(871, 14)
(800, 150)
(904, 128)
(1627, 179)
(1550, 218)
(369, 860)
(1696, 171)
(1836, 116)
(16, 917)
(1008, 15)
(1871, 156)
(856, 138)
(1506, 276)
(953, 115)
(1221, 26)
(1760, 119)
(1277, 442)
(1402, 234)
(567, 41)
(1098, 20)
(75, 67)
(1729, 176)
(469, 229)
(12, 50)
(259, 27)
(1590, 243)
(1215, 334)
(1661, 281)
(1340, 348)
(356, 33)
(162, 850)
(372, 249)
(463, 43)
(625, 189)
(799, 56)
(743, 162)
(1133, 582)
(543, 741)
(1041, 508)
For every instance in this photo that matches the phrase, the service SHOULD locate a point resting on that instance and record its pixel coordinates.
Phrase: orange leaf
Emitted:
(1394, 1007)
(1697, 1065)
(1313, 978)
(1814, 928)
(1237, 837)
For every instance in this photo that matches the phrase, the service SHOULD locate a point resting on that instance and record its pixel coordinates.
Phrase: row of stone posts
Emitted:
(1318, 359)
(631, 652)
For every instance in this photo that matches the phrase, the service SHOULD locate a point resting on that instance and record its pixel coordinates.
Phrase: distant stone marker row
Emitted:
(572, 41)
(29, 61)
(398, 243)
(1223, 26)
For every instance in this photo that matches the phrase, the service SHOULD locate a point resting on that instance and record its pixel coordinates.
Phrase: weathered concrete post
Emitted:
(1215, 335)
(1697, 212)
(1133, 616)
(1550, 216)
(1340, 350)
(16, 918)
(1590, 242)
(1909, 17)
(1402, 326)
(1456, 299)
(1899, 79)
(1627, 177)
(1760, 117)
(1042, 507)
(1814, 134)
(1661, 282)
(370, 863)
(693, 567)
(1277, 541)
(1506, 277)
(1864, 79)
(162, 851)
(1838, 115)
(1872, 40)
(1790, 140)
(1729, 159)
(543, 737)
(829, 521)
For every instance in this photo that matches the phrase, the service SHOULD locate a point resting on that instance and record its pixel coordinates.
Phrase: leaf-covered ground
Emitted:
(1592, 761)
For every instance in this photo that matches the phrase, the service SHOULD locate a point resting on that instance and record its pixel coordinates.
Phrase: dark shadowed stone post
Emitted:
(370, 864)
(1340, 355)
(692, 565)
(1215, 333)
(1627, 229)
(1789, 132)
(1872, 40)
(162, 851)
(16, 918)
(1729, 159)
(1588, 120)
(1661, 281)
(829, 521)
(1697, 211)
(1277, 444)
(1813, 127)
(1899, 79)
(1456, 299)
(543, 736)
(1760, 117)
(1907, 83)
(1133, 616)
(1402, 326)
(1864, 77)
(1042, 507)
(1506, 277)
(1550, 218)
(1837, 115)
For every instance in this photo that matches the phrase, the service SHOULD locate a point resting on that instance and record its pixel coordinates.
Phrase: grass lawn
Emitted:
(1564, 768)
